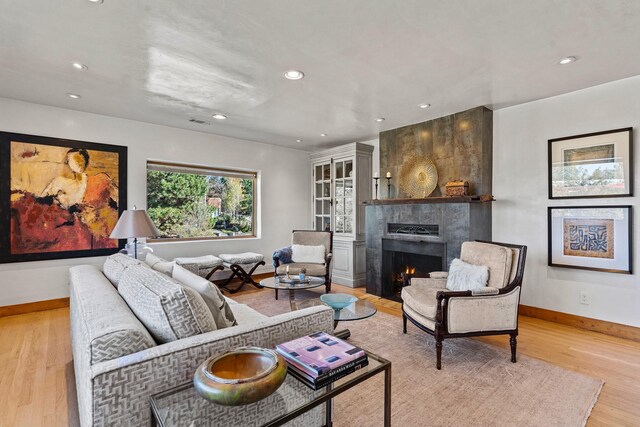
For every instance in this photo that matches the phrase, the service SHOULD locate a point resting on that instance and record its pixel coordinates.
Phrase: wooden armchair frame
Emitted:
(328, 258)
(442, 298)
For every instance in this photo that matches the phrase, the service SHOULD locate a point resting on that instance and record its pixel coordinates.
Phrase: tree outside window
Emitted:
(188, 202)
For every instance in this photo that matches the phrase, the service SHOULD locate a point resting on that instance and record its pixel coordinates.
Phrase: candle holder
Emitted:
(388, 187)
(376, 178)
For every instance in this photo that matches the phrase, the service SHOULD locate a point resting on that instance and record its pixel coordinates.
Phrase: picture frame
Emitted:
(591, 165)
(59, 198)
(598, 238)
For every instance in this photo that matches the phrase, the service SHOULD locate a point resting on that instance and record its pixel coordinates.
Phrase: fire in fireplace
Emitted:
(403, 260)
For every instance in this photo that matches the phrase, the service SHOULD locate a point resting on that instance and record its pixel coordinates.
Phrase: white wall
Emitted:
(284, 186)
(520, 187)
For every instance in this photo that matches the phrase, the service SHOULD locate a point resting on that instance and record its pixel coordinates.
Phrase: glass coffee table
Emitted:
(359, 310)
(183, 406)
(294, 284)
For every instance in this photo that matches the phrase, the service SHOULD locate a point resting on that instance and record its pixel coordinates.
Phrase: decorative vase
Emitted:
(240, 377)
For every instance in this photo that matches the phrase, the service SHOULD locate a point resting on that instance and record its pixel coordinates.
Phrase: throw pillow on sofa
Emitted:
(304, 253)
(466, 277)
(159, 264)
(115, 265)
(211, 295)
(167, 309)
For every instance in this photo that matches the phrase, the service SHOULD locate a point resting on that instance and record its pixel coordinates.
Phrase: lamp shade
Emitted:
(134, 223)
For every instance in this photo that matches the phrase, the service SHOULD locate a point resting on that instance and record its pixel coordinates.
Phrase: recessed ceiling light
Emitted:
(567, 60)
(380, 119)
(219, 116)
(323, 134)
(96, 1)
(79, 66)
(293, 74)
(74, 95)
(423, 106)
(298, 140)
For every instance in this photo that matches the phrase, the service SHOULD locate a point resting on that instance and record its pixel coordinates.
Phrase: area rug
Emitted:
(477, 386)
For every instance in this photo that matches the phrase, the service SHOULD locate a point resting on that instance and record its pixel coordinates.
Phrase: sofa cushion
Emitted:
(115, 265)
(246, 315)
(466, 277)
(295, 267)
(159, 264)
(304, 253)
(217, 304)
(168, 310)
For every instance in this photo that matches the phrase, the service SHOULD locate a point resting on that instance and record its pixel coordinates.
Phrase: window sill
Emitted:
(200, 239)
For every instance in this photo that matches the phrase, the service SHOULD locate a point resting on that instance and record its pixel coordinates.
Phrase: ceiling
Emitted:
(164, 61)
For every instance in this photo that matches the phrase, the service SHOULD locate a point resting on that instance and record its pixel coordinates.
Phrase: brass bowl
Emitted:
(240, 377)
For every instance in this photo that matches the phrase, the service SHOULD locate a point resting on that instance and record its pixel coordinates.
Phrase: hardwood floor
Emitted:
(35, 357)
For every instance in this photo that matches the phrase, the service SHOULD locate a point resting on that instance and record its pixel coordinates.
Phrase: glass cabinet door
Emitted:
(322, 196)
(344, 197)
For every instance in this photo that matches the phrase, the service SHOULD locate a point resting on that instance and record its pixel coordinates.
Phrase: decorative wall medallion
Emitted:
(418, 177)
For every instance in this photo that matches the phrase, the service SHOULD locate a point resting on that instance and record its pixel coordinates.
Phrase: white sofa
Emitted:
(118, 365)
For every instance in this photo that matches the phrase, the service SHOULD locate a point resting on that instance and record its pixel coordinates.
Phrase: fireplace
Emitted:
(425, 234)
(403, 259)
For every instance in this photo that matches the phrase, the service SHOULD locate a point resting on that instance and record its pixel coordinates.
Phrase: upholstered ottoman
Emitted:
(203, 266)
(242, 265)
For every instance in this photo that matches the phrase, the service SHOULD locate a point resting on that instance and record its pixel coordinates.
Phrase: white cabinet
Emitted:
(342, 179)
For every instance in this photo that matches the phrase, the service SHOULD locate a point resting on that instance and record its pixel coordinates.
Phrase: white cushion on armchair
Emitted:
(466, 277)
(304, 253)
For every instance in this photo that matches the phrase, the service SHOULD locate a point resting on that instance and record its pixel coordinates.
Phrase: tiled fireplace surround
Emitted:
(457, 222)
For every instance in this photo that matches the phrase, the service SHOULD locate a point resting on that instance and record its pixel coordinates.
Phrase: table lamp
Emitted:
(134, 223)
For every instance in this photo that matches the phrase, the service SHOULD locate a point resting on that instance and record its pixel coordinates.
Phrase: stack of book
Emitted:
(320, 359)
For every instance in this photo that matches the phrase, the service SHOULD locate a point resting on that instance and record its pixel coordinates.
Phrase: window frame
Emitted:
(208, 171)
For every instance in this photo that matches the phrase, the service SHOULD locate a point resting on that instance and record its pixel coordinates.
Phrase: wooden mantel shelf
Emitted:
(428, 200)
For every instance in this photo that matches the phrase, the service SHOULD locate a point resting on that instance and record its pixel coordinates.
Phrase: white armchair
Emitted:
(492, 310)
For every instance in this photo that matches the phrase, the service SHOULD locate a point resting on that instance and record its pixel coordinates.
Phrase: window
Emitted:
(194, 202)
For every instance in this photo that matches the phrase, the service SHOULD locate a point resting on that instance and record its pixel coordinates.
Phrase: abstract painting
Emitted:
(591, 165)
(59, 198)
(591, 237)
(588, 237)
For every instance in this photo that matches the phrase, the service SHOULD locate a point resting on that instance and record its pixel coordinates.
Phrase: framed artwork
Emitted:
(591, 237)
(59, 198)
(591, 165)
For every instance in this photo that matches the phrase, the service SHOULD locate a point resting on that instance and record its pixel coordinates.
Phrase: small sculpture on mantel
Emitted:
(457, 188)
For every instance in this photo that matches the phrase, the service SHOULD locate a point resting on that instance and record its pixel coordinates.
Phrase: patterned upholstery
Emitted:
(109, 333)
(102, 328)
(122, 387)
(115, 265)
(116, 392)
(168, 310)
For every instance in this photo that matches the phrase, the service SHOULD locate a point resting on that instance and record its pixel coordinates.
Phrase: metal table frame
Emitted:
(331, 392)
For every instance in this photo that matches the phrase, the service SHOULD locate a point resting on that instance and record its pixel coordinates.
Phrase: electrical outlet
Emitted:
(585, 298)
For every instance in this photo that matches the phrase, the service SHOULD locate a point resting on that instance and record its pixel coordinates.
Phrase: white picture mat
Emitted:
(620, 261)
(620, 141)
